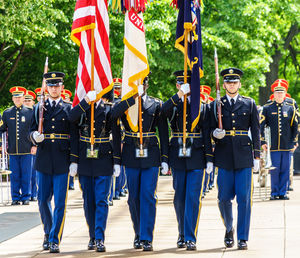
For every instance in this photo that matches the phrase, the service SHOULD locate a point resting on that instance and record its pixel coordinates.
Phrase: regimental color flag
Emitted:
(88, 15)
(189, 18)
(135, 65)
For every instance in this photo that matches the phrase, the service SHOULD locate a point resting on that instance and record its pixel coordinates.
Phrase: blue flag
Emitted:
(189, 18)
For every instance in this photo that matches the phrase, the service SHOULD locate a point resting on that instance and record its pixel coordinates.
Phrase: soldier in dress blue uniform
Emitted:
(29, 102)
(142, 170)
(281, 116)
(16, 121)
(233, 155)
(95, 172)
(188, 172)
(53, 159)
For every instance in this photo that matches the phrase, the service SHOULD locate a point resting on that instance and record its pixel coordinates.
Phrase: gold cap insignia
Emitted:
(53, 75)
(230, 71)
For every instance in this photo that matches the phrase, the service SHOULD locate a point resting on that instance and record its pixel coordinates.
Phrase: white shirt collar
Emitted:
(56, 101)
(229, 98)
(144, 97)
(188, 98)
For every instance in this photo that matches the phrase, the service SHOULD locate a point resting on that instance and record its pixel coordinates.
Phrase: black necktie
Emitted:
(53, 106)
(232, 103)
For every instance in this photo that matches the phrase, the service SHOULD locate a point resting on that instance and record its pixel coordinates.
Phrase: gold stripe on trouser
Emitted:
(218, 198)
(125, 182)
(251, 196)
(155, 197)
(63, 221)
(200, 204)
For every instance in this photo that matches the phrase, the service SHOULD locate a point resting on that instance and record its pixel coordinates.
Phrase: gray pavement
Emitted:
(275, 228)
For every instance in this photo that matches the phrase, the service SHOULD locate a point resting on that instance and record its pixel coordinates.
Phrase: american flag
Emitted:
(88, 15)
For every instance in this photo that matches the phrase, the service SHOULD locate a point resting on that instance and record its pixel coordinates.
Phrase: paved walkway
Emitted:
(275, 229)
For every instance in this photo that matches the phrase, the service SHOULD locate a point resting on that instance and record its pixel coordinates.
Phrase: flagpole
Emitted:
(92, 88)
(185, 81)
(141, 126)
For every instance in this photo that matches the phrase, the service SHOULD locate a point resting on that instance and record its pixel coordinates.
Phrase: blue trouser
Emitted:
(237, 183)
(205, 184)
(95, 192)
(142, 200)
(188, 186)
(281, 160)
(33, 178)
(20, 165)
(71, 181)
(120, 182)
(212, 178)
(49, 185)
(111, 193)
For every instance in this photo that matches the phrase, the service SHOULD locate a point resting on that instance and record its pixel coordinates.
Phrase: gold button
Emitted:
(233, 128)
(233, 121)
(232, 114)
(53, 119)
(52, 140)
(53, 126)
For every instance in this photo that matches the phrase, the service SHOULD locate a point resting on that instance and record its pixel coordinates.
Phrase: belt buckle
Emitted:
(52, 136)
(232, 133)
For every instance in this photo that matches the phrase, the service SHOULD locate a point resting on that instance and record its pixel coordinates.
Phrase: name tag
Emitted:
(274, 113)
(23, 119)
(12, 118)
(285, 114)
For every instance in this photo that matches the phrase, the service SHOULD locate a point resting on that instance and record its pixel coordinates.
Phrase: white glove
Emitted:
(164, 168)
(141, 90)
(185, 88)
(73, 169)
(117, 170)
(92, 95)
(209, 167)
(38, 137)
(219, 133)
(256, 165)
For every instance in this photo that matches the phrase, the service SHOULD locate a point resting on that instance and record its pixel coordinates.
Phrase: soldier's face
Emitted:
(279, 96)
(28, 103)
(55, 91)
(18, 101)
(232, 87)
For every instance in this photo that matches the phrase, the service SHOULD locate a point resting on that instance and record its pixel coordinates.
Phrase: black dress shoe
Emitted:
(46, 244)
(137, 243)
(33, 199)
(283, 197)
(242, 245)
(15, 203)
(110, 203)
(71, 187)
(26, 202)
(228, 239)
(91, 244)
(116, 198)
(125, 191)
(181, 242)
(100, 247)
(122, 194)
(273, 198)
(147, 245)
(191, 246)
(54, 248)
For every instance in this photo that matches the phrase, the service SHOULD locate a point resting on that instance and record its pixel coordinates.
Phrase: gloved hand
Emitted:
(185, 88)
(219, 133)
(92, 95)
(141, 90)
(209, 167)
(38, 137)
(256, 165)
(73, 169)
(117, 170)
(164, 168)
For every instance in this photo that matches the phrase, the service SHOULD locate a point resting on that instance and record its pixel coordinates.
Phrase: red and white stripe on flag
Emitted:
(88, 15)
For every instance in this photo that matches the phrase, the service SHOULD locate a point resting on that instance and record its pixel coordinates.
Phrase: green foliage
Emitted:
(246, 34)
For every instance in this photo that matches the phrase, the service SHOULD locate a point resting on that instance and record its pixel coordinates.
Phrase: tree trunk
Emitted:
(265, 92)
